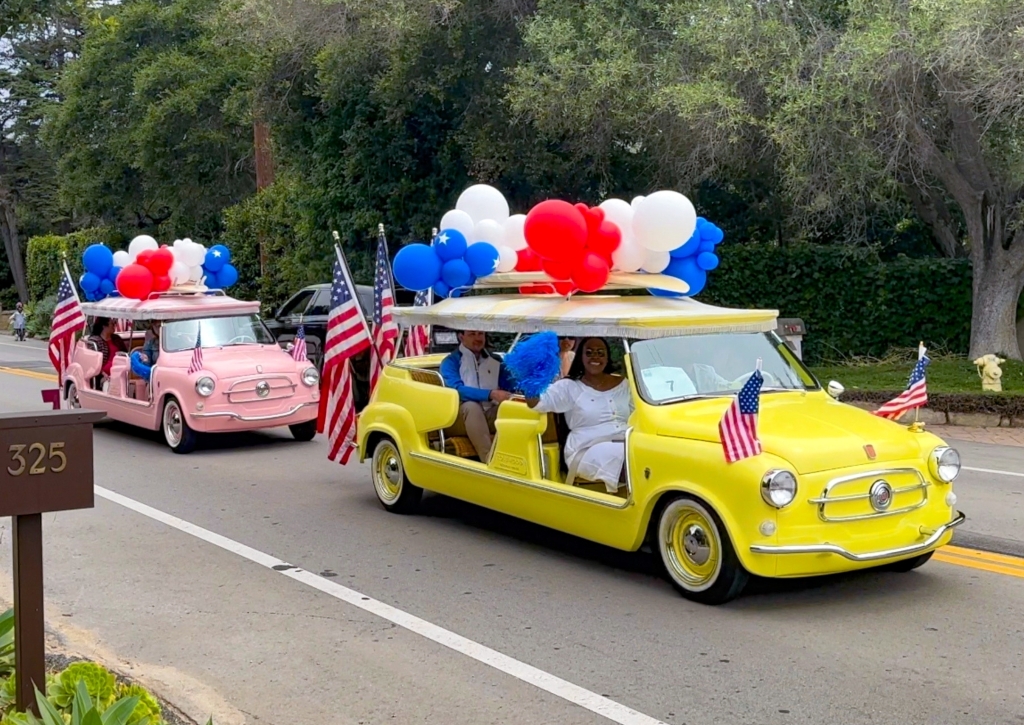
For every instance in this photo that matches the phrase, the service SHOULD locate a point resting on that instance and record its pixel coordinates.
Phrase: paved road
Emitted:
(216, 627)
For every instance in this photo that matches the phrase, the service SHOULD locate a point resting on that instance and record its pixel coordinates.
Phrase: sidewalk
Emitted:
(993, 436)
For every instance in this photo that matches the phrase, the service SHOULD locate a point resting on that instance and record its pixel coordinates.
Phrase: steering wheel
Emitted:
(241, 339)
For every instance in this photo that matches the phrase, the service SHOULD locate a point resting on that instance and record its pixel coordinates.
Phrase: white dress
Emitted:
(591, 414)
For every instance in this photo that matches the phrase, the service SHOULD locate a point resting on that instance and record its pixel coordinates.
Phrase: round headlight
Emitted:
(945, 464)
(778, 488)
(205, 386)
(310, 377)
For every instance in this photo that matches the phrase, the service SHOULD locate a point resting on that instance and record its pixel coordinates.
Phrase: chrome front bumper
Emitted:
(254, 418)
(871, 556)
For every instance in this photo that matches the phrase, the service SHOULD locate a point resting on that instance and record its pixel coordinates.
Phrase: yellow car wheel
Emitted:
(394, 491)
(697, 554)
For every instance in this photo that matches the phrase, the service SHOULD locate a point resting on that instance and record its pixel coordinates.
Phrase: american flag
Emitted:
(67, 320)
(197, 354)
(419, 336)
(738, 427)
(385, 330)
(299, 345)
(346, 336)
(914, 396)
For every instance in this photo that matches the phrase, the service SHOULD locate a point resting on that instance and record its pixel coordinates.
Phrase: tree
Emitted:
(39, 39)
(852, 103)
(153, 131)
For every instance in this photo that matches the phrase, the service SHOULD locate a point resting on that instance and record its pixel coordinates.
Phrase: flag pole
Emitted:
(917, 426)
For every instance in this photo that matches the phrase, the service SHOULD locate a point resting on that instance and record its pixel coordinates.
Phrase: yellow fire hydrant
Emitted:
(989, 372)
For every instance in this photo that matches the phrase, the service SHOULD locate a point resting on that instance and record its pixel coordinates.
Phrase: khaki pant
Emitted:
(477, 424)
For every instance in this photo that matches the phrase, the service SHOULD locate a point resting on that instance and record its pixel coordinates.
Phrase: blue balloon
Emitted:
(211, 279)
(112, 274)
(106, 287)
(97, 259)
(441, 289)
(89, 282)
(227, 275)
(455, 293)
(455, 273)
(449, 244)
(416, 267)
(665, 293)
(707, 261)
(482, 259)
(139, 367)
(687, 248)
(711, 233)
(688, 271)
(216, 257)
(706, 247)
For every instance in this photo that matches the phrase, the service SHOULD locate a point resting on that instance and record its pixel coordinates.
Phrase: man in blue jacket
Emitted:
(483, 382)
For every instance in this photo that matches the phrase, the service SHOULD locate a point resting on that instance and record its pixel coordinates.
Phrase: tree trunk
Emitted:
(996, 288)
(12, 246)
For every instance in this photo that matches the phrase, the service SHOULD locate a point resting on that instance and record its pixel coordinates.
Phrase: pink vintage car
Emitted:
(246, 382)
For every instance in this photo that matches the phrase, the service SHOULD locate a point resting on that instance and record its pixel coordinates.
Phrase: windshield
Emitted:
(675, 368)
(216, 332)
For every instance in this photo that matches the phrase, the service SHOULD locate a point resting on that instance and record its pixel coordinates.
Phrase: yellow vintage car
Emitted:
(836, 488)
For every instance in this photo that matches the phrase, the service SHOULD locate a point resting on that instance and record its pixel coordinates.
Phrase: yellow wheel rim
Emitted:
(690, 545)
(387, 472)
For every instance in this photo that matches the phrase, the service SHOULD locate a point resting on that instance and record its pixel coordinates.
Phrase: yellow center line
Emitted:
(981, 560)
(30, 374)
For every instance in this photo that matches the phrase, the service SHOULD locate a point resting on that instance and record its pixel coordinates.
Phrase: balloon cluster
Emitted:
(477, 238)
(101, 272)
(149, 267)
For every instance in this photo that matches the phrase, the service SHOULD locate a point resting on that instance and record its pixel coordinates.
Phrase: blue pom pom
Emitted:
(138, 367)
(535, 363)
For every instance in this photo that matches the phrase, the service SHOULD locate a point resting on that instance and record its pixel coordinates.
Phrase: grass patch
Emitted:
(946, 374)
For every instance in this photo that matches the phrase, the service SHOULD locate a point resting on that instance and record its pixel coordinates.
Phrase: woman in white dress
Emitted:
(597, 406)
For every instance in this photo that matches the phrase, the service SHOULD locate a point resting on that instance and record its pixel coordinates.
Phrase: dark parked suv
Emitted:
(310, 307)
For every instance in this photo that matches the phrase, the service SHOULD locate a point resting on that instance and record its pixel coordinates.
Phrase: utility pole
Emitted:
(264, 173)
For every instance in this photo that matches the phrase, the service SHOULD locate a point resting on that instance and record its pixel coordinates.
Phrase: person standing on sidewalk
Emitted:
(18, 322)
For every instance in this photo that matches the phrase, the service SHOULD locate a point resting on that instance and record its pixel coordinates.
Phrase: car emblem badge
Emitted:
(880, 495)
(263, 389)
(870, 450)
(259, 368)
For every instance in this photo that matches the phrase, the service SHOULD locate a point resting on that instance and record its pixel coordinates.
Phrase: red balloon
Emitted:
(591, 273)
(594, 218)
(557, 269)
(605, 239)
(535, 289)
(145, 257)
(556, 230)
(160, 262)
(564, 288)
(528, 261)
(135, 282)
(161, 283)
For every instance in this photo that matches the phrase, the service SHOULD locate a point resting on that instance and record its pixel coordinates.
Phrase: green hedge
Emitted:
(851, 302)
(44, 256)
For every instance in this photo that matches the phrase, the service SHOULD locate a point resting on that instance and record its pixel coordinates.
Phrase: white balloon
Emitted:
(458, 220)
(193, 255)
(656, 261)
(121, 258)
(195, 273)
(618, 211)
(507, 259)
(140, 244)
(180, 272)
(636, 202)
(664, 220)
(629, 256)
(488, 231)
(481, 202)
(515, 237)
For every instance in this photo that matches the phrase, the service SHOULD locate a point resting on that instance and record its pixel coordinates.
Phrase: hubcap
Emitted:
(387, 472)
(73, 396)
(172, 424)
(690, 545)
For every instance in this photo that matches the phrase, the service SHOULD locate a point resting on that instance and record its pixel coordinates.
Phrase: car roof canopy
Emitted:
(635, 316)
(170, 306)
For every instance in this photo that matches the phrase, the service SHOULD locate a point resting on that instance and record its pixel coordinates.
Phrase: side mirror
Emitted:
(835, 389)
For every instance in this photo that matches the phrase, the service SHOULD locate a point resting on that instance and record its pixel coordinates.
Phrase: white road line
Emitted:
(992, 470)
(558, 687)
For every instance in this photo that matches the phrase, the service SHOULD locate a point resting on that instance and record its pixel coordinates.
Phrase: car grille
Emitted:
(246, 390)
(848, 498)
